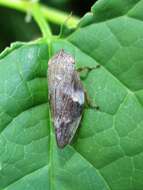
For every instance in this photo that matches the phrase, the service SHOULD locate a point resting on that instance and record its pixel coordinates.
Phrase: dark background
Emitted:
(14, 28)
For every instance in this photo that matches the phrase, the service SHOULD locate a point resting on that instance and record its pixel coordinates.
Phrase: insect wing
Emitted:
(66, 97)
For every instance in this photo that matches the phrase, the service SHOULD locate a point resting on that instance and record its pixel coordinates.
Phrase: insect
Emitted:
(66, 95)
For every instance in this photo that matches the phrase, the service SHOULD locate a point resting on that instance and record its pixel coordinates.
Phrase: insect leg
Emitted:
(88, 68)
(88, 102)
(84, 71)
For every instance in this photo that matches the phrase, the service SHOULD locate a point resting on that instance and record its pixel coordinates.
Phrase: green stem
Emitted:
(39, 18)
(53, 15)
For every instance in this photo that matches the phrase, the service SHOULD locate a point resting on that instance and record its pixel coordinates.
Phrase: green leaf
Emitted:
(107, 152)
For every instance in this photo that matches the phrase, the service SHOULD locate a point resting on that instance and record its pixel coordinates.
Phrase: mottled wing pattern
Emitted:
(66, 97)
(68, 111)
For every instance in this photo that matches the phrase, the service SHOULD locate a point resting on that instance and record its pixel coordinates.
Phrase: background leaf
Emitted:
(15, 28)
(107, 153)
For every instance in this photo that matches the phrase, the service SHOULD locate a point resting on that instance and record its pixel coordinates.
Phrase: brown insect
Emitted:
(66, 96)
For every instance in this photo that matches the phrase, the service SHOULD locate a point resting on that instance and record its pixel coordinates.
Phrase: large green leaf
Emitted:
(107, 152)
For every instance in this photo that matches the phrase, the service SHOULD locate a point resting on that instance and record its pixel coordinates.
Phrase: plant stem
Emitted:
(39, 18)
(53, 15)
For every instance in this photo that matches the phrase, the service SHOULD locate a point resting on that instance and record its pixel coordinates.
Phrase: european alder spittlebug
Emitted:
(66, 95)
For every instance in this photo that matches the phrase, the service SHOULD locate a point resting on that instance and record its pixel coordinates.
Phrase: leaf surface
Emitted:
(107, 151)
